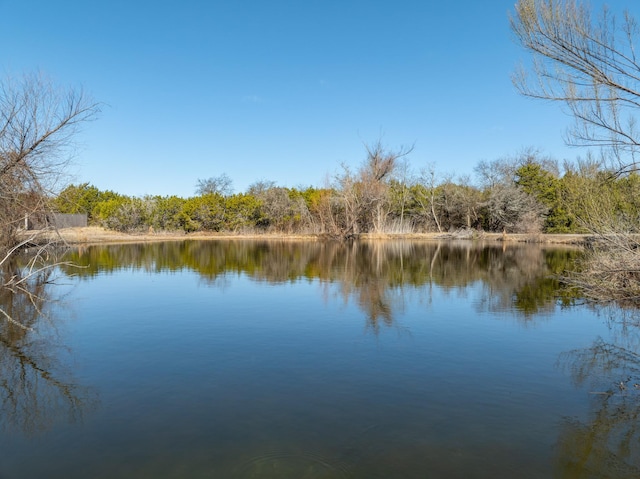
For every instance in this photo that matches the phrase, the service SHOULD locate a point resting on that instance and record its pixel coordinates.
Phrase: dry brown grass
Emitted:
(610, 271)
(97, 235)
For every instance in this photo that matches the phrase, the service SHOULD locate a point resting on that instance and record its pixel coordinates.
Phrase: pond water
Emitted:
(267, 359)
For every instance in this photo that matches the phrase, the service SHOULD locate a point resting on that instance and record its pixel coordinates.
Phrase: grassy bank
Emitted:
(98, 235)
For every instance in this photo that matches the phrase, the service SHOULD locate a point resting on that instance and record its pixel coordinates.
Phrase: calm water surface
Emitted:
(239, 359)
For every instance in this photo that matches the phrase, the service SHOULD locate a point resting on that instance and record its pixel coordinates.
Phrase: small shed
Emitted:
(56, 220)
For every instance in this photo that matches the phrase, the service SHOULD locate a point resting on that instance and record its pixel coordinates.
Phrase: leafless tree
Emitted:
(361, 197)
(457, 203)
(38, 122)
(221, 185)
(589, 65)
(259, 187)
(426, 196)
(492, 173)
(404, 179)
(512, 210)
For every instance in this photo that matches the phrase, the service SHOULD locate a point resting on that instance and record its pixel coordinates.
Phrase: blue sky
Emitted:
(280, 90)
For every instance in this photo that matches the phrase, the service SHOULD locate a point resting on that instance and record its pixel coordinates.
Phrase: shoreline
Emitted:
(97, 235)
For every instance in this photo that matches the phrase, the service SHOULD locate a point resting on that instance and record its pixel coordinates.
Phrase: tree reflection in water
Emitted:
(375, 274)
(609, 442)
(36, 388)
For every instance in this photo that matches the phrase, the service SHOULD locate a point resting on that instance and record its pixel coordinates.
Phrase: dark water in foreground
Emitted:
(313, 361)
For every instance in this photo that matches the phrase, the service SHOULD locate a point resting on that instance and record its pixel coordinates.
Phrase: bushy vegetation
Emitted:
(528, 193)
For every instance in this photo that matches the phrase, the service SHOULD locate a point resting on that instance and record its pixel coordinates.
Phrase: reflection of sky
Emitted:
(233, 365)
(154, 310)
(134, 317)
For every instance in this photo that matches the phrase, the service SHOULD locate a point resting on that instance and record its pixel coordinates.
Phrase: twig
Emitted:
(13, 321)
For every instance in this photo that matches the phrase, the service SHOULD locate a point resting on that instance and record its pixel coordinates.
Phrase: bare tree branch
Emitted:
(587, 64)
(38, 122)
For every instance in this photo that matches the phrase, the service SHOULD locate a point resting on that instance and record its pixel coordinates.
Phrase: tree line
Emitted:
(527, 193)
